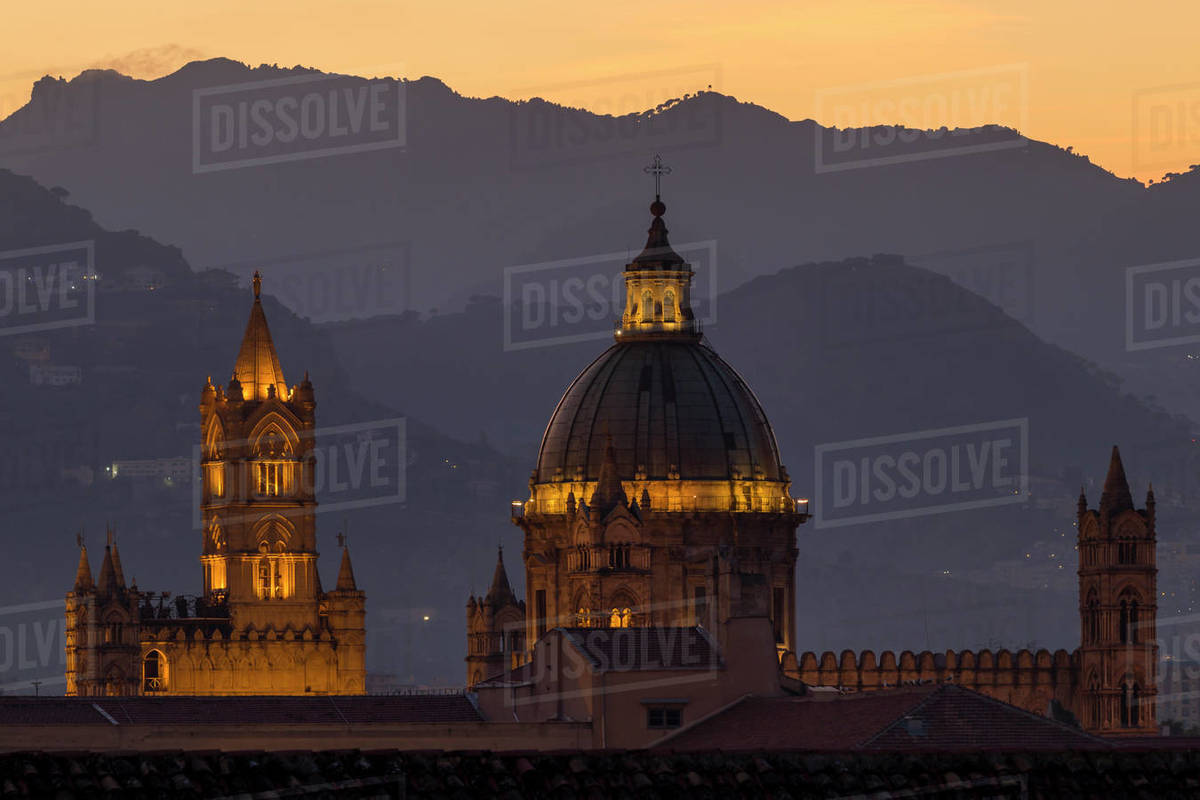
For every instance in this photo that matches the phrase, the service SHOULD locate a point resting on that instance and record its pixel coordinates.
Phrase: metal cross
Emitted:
(657, 169)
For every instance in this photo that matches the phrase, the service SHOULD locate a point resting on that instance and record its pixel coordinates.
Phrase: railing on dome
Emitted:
(614, 557)
(691, 327)
(164, 606)
(683, 504)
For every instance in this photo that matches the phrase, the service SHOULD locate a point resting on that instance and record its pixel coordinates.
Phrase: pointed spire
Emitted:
(1116, 496)
(107, 585)
(345, 580)
(118, 573)
(257, 365)
(658, 254)
(501, 592)
(83, 575)
(609, 491)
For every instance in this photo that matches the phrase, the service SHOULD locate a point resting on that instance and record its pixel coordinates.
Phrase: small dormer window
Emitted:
(664, 717)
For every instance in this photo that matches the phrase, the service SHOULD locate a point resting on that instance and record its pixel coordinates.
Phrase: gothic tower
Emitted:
(102, 647)
(262, 623)
(495, 628)
(1118, 656)
(258, 549)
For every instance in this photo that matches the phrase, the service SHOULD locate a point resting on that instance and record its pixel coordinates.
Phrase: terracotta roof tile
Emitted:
(919, 718)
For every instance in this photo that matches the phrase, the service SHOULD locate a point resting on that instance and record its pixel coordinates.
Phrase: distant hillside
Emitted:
(483, 184)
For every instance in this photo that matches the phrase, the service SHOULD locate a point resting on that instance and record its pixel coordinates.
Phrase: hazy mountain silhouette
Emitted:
(474, 193)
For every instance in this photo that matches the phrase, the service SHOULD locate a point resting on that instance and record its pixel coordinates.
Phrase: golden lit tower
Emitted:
(259, 548)
(262, 624)
(1118, 656)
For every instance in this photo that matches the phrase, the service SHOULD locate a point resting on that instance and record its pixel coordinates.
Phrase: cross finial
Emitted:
(657, 168)
(341, 539)
(257, 284)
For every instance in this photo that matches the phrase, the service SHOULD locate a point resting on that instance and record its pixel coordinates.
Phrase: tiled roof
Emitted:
(645, 648)
(522, 674)
(342, 710)
(566, 775)
(921, 718)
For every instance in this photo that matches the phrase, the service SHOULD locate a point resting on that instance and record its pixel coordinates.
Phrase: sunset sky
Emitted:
(1092, 74)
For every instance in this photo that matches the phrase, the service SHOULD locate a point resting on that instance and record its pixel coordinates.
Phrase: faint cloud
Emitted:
(150, 62)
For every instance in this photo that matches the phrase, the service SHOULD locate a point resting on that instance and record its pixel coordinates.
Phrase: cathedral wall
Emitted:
(1026, 679)
(258, 667)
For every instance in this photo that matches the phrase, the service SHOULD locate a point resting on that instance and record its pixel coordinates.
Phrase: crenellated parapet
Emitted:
(1025, 678)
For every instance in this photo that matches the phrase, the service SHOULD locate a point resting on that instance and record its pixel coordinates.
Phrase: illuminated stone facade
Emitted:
(659, 499)
(262, 624)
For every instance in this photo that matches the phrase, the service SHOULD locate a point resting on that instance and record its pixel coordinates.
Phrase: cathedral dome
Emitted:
(672, 408)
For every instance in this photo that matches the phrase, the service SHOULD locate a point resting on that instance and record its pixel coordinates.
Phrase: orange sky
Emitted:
(1087, 75)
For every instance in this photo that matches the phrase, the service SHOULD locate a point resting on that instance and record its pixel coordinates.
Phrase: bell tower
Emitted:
(258, 551)
(1117, 608)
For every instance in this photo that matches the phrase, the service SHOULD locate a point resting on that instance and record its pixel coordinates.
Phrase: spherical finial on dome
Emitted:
(658, 207)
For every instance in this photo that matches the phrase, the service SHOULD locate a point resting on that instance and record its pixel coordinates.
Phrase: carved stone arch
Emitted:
(1129, 589)
(282, 424)
(274, 532)
(218, 540)
(623, 608)
(584, 532)
(1090, 528)
(1129, 525)
(669, 305)
(621, 531)
(583, 613)
(215, 438)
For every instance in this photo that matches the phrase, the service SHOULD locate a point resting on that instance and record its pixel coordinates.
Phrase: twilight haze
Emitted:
(1086, 64)
(427, 400)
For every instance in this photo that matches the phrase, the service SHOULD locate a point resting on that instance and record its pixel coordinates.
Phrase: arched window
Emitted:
(583, 618)
(1131, 695)
(216, 536)
(1092, 617)
(1094, 702)
(1129, 617)
(669, 306)
(154, 672)
(647, 306)
(620, 618)
(273, 464)
(114, 682)
(270, 576)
